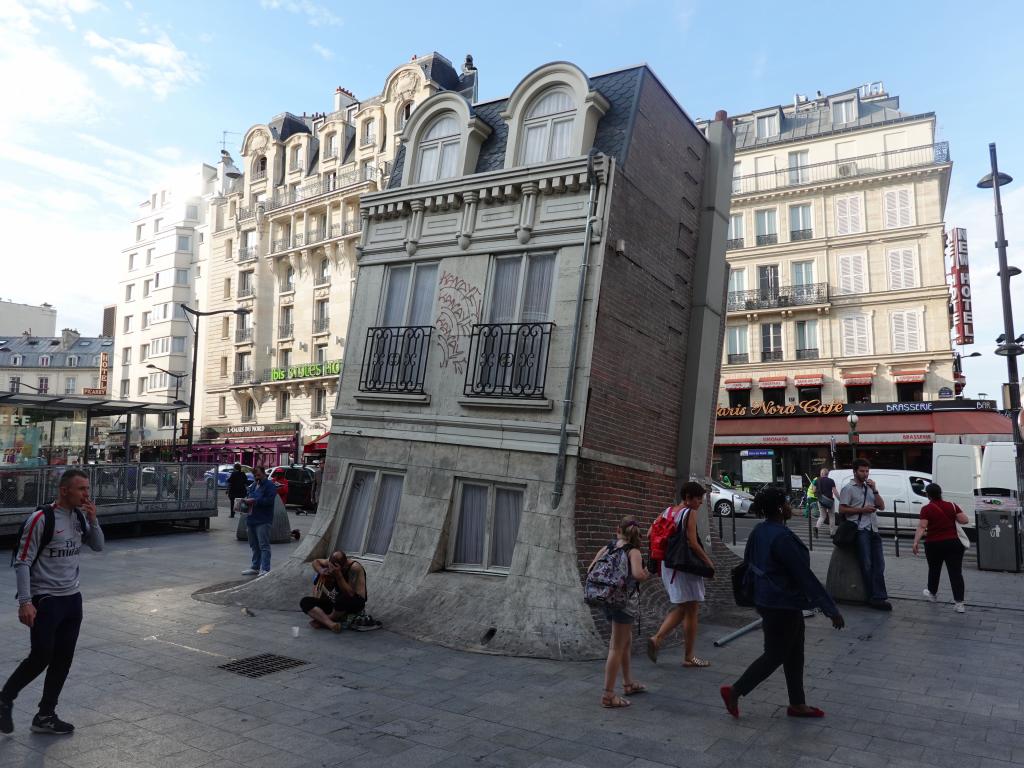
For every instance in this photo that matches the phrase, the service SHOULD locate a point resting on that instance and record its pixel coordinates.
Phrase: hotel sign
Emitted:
(104, 376)
(306, 371)
(960, 287)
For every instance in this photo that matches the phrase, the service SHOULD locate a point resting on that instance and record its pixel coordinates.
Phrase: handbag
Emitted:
(742, 586)
(961, 534)
(679, 555)
(845, 536)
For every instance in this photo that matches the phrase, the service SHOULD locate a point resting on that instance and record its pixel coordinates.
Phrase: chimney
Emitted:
(68, 337)
(469, 74)
(343, 98)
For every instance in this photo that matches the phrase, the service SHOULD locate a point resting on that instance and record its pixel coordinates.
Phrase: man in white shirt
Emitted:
(860, 501)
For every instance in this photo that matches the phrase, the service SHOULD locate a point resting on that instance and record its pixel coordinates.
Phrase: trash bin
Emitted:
(999, 527)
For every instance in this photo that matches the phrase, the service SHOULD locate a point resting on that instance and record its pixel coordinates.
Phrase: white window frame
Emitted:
(372, 512)
(126, 323)
(440, 144)
(773, 347)
(407, 300)
(72, 361)
(853, 225)
(735, 231)
(17, 360)
(914, 274)
(70, 385)
(737, 280)
(800, 263)
(852, 289)
(810, 217)
(547, 122)
(770, 121)
(898, 317)
(492, 488)
(812, 323)
(737, 336)
(284, 404)
(849, 109)
(775, 220)
(798, 173)
(899, 215)
(869, 341)
(44, 361)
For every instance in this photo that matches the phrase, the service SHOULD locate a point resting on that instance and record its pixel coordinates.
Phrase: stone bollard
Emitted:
(280, 531)
(844, 581)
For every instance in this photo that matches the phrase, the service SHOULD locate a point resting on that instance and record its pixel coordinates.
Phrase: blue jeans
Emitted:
(872, 563)
(259, 543)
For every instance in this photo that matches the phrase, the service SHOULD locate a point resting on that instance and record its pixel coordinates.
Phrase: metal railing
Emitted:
(285, 330)
(810, 353)
(330, 153)
(259, 175)
(738, 358)
(282, 244)
(316, 236)
(771, 355)
(245, 291)
(508, 360)
(734, 244)
(246, 213)
(796, 235)
(244, 377)
(395, 359)
(248, 253)
(321, 324)
(349, 227)
(368, 140)
(769, 239)
(783, 296)
(315, 189)
(838, 170)
(243, 335)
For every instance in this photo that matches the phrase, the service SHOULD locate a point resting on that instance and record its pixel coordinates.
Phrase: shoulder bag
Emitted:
(961, 534)
(845, 536)
(680, 556)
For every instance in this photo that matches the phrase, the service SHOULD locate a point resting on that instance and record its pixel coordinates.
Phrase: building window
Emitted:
(126, 355)
(70, 385)
(737, 184)
(802, 273)
(72, 361)
(806, 339)
(767, 126)
(907, 331)
(223, 366)
(843, 111)
(547, 129)
(330, 145)
(245, 284)
(192, 212)
(766, 227)
(323, 274)
(798, 162)
(739, 398)
(44, 361)
(17, 360)
(369, 132)
(856, 335)
(910, 392)
(771, 342)
(902, 268)
(735, 235)
(409, 296)
(225, 327)
(157, 380)
(141, 389)
(439, 150)
(319, 402)
(768, 282)
(320, 353)
(157, 225)
(849, 215)
(129, 292)
(858, 394)
(227, 287)
(288, 284)
(404, 112)
(140, 230)
(184, 242)
(126, 326)
(521, 293)
(373, 503)
(222, 406)
(774, 395)
(249, 410)
(736, 339)
(14, 386)
(853, 273)
(284, 401)
(898, 208)
(147, 288)
(486, 526)
(800, 225)
(181, 277)
(321, 316)
(167, 420)
(143, 352)
(284, 359)
(803, 394)
(737, 280)
(149, 256)
(43, 384)
(295, 159)
(369, 171)
(126, 388)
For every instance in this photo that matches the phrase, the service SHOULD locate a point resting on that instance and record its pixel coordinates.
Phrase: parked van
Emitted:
(962, 470)
(902, 491)
(999, 467)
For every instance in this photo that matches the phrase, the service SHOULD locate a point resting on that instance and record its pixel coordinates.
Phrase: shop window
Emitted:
(486, 527)
(808, 393)
(774, 396)
(371, 511)
(911, 392)
(858, 394)
(739, 398)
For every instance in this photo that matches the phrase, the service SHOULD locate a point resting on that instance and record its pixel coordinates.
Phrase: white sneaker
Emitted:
(928, 595)
(959, 608)
(249, 572)
(264, 573)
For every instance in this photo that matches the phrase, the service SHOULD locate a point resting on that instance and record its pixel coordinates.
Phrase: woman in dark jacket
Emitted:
(783, 585)
(238, 486)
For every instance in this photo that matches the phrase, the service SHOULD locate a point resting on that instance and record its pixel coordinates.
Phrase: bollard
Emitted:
(810, 531)
(720, 536)
(896, 527)
(734, 529)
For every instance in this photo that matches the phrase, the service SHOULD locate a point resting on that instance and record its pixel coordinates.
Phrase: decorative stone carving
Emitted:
(527, 212)
(415, 227)
(465, 234)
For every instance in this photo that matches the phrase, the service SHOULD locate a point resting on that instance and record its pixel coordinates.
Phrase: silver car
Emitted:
(726, 501)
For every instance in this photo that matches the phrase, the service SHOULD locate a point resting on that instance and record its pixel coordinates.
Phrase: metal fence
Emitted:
(508, 360)
(395, 359)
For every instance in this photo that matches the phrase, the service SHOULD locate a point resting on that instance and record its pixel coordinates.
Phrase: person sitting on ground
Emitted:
(341, 586)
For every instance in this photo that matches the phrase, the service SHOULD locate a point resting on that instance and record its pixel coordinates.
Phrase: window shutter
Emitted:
(902, 272)
(891, 213)
(845, 273)
(915, 331)
(856, 216)
(852, 273)
(898, 320)
(905, 208)
(842, 215)
(855, 331)
(849, 337)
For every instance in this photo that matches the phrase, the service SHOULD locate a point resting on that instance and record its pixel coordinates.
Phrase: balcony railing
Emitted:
(395, 359)
(316, 236)
(771, 355)
(771, 239)
(330, 153)
(734, 244)
(739, 358)
(314, 189)
(243, 335)
(245, 291)
(248, 253)
(347, 228)
(800, 234)
(321, 324)
(838, 170)
(244, 377)
(259, 175)
(281, 245)
(246, 213)
(783, 296)
(368, 141)
(508, 360)
(807, 354)
(285, 330)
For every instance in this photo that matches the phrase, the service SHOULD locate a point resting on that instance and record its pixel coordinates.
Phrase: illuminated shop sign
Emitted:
(960, 287)
(306, 371)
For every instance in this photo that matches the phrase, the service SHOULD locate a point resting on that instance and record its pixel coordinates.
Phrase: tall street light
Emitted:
(195, 360)
(1010, 347)
(177, 384)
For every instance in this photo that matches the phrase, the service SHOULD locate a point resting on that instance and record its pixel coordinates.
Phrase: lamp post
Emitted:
(1010, 347)
(177, 384)
(195, 359)
(853, 435)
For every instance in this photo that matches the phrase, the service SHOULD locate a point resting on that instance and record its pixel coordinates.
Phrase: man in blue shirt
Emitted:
(784, 586)
(261, 499)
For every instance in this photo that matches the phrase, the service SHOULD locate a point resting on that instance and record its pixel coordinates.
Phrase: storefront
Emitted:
(789, 444)
(254, 445)
(316, 449)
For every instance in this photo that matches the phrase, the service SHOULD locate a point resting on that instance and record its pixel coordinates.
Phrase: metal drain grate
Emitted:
(262, 665)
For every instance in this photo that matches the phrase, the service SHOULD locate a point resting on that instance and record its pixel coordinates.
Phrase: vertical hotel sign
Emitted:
(104, 376)
(960, 287)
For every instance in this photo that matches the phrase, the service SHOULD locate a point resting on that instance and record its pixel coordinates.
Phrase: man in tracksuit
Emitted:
(49, 601)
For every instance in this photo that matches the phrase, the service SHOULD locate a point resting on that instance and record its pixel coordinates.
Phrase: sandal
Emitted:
(632, 689)
(693, 661)
(652, 650)
(610, 701)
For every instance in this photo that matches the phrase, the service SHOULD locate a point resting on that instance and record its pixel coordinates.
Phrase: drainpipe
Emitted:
(570, 380)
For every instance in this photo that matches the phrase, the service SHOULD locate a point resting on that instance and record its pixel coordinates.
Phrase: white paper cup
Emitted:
(295, 631)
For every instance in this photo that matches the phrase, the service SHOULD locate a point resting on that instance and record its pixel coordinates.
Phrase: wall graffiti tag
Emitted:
(459, 304)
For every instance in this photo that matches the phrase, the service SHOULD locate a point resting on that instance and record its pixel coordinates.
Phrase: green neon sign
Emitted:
(306, 371)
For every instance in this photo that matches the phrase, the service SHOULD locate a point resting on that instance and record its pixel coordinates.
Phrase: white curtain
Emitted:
(552, 102)
(561, 139)
(535, 143)
(537, 298)
(504, 293)
(356, 512)
(428, 164)
(394, 301)
(508, 507)
(388, 499)
(423, 287)
(449, 160)
(469, 538)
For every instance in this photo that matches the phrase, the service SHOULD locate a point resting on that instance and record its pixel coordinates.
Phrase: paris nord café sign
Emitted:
(839, 408)
(306, 371)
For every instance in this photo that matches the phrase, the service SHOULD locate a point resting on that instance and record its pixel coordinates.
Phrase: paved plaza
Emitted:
(919, 687)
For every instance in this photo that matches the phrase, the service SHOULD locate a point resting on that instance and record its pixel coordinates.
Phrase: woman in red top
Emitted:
(938, 522)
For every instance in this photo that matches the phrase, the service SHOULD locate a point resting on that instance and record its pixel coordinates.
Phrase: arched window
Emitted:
(547, 129)
(403, 114)
(439, 150)
(324, 274)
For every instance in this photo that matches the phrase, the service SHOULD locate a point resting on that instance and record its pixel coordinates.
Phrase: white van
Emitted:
(964, 469)
(999, 467)
(902, 491)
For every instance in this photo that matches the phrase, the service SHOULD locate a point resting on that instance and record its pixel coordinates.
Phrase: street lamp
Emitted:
(1010, 347)
(195, 359)
(853, 435)
(177, 383)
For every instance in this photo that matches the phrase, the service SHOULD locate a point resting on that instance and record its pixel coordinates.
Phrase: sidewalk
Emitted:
(919, 687)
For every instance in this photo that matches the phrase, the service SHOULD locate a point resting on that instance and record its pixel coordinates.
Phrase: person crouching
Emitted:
(339, 589)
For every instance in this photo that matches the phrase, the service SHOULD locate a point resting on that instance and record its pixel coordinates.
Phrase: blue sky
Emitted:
(103, 98)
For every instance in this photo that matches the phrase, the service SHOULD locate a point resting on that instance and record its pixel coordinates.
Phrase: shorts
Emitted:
(617, 615)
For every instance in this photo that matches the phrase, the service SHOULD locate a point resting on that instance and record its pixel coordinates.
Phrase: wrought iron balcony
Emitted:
(282, 244)
(739, 358)
(330, 153)
(734, 244)
(395, 359)
(800, 234)
(243, 335)
(321, 324)
(259, 175)
(771, 355)
(316, 236)
(246, 213)
(248, 253)
(368, 141)
(245, 291)
(770, 239)
(807, 354)
(783, 296)
(244, 377)
(349, 227)
(841, 170)
(508, 360)
(315, 189)
(285, 330)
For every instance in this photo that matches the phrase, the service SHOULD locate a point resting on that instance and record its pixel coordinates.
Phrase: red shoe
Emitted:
(733, 708)
(809, 712)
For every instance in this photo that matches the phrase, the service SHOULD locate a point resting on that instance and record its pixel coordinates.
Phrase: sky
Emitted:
(104, 99)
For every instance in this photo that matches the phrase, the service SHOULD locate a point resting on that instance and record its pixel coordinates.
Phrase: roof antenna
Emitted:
(224, 138)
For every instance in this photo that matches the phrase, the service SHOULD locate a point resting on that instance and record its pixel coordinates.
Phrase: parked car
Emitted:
(223, 472)
(727, 501)
(296, 484)
(903, 492)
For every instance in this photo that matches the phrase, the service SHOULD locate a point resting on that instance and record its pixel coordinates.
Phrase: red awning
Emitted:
(909, 377)
(738, 384)
(858, 379)
(809, 380)
(772, 382)
(318, 444)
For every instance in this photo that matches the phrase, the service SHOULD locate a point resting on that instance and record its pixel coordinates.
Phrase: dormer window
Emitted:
(404, 112)
(767, 126)
(72, 361)
(259, 168)
(844, 112)
(331, 145)
(369, 132)
(44, 361)
(439, 150)
(16, 360)
(547, 130)
(295, 161)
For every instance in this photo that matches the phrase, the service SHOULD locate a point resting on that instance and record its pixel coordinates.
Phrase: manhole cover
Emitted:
(262, 665)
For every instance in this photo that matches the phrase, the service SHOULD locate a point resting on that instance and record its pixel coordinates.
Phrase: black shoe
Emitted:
(51, 724)
(881, 605)
(6, 721)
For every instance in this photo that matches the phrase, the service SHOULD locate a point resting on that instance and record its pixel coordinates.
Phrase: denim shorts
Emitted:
(617, 615)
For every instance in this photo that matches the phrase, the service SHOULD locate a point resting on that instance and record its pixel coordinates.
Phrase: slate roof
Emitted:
(286, 124)
(31, 347)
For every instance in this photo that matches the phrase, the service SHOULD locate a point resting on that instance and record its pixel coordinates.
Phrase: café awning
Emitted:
(738, 383)
(809, 380)
(318, 444)
(773, 382)
(909, 377)
(858, 379)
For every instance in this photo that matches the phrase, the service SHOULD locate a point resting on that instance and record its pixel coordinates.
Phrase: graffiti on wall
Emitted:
(459, 305)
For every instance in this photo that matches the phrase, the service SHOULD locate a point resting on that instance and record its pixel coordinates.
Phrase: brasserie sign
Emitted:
(306, 371)
(839, 408)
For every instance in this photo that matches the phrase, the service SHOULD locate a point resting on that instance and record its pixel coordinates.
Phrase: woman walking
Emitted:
(621, 641)
(783, 585)
(942, 544)
(685, 590)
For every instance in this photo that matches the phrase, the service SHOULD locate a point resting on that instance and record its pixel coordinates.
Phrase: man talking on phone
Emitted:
(49, 600)
(860, 501)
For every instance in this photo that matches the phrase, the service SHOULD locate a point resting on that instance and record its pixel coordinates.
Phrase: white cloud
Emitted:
(316, 15)
(685, 10)
(325, 53)
(157, 65)
(22, 16)
(172, 154)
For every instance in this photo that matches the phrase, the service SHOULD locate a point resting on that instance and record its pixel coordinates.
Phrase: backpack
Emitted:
(48, 524)
(607, 582)
(662, 530)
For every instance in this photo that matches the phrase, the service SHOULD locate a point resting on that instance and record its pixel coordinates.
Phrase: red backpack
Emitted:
(662, 530)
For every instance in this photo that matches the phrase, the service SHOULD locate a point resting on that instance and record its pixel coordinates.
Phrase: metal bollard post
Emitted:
(734, 528)
(896, 527)
(810, 530)
(721, 536)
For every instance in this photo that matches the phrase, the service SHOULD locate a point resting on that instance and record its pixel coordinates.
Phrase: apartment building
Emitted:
(284, 248)
(17, 318)
(837, 296)
(162, 267)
